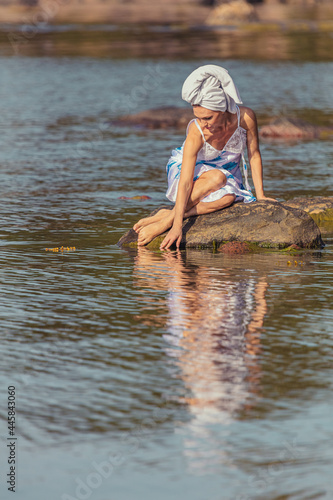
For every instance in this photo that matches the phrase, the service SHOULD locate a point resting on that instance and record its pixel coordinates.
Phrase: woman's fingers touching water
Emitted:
(172, 237)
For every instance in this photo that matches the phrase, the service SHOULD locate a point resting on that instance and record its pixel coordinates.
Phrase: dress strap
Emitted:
(238, 114)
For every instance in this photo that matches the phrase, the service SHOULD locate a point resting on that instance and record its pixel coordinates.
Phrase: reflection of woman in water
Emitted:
(214, 321)
(204, 174)
(214, 317)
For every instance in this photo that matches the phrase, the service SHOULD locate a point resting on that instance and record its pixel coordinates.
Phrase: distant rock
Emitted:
(294, 128)
(176, 117)
(263, 223)
(137, 197)
(234, 12)
(164, 117)
(320, 208)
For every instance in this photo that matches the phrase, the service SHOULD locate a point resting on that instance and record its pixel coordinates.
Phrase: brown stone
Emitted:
(290, 128)
(164, 117)
(137, 197)
(235, 247)
(263, 223)
(320, 208)
(294, 128)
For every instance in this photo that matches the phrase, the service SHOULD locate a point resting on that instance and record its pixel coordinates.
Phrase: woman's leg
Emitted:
(194, 206)
(207, 183)
(207, 207)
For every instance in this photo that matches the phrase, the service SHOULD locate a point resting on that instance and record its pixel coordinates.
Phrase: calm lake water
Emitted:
(144, 376)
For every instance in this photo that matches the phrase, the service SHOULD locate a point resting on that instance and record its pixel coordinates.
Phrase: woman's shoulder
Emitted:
(248, 118)
(192, 128)
(193, 132)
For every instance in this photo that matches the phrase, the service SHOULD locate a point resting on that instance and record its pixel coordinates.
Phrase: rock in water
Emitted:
(164, 117)
(137, 197)
(267, 224)
(168, 117)
(294, 128)
(320, 208)
(235, 247)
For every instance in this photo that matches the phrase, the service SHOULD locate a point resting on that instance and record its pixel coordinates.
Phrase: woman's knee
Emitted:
(218, 179)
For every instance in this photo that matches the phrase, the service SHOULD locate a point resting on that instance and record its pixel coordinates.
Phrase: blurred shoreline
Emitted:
(172, 43)
(271, 14)
(140, 28)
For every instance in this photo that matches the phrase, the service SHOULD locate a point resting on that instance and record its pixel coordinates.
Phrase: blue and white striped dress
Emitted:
(227, 161)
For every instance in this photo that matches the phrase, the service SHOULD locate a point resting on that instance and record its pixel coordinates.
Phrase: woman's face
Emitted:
(208, 119)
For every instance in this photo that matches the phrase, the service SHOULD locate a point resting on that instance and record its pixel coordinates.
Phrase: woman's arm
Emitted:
(250, 120)
(191, 147)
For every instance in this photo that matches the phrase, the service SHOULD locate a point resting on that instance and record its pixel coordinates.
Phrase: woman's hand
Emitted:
(174, 235)
(263, 197)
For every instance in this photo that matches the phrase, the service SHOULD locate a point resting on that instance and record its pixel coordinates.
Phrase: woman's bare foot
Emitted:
(148, 233)
(150, 220)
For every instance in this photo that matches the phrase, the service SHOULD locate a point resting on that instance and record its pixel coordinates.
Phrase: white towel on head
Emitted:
(211, 87)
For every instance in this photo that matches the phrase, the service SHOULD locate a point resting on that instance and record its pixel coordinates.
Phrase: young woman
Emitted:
(204, 174)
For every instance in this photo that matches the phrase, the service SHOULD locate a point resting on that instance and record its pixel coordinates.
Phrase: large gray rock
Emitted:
(264, 223)
(320, 208)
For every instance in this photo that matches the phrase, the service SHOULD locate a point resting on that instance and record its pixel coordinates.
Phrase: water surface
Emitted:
(188, 376)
